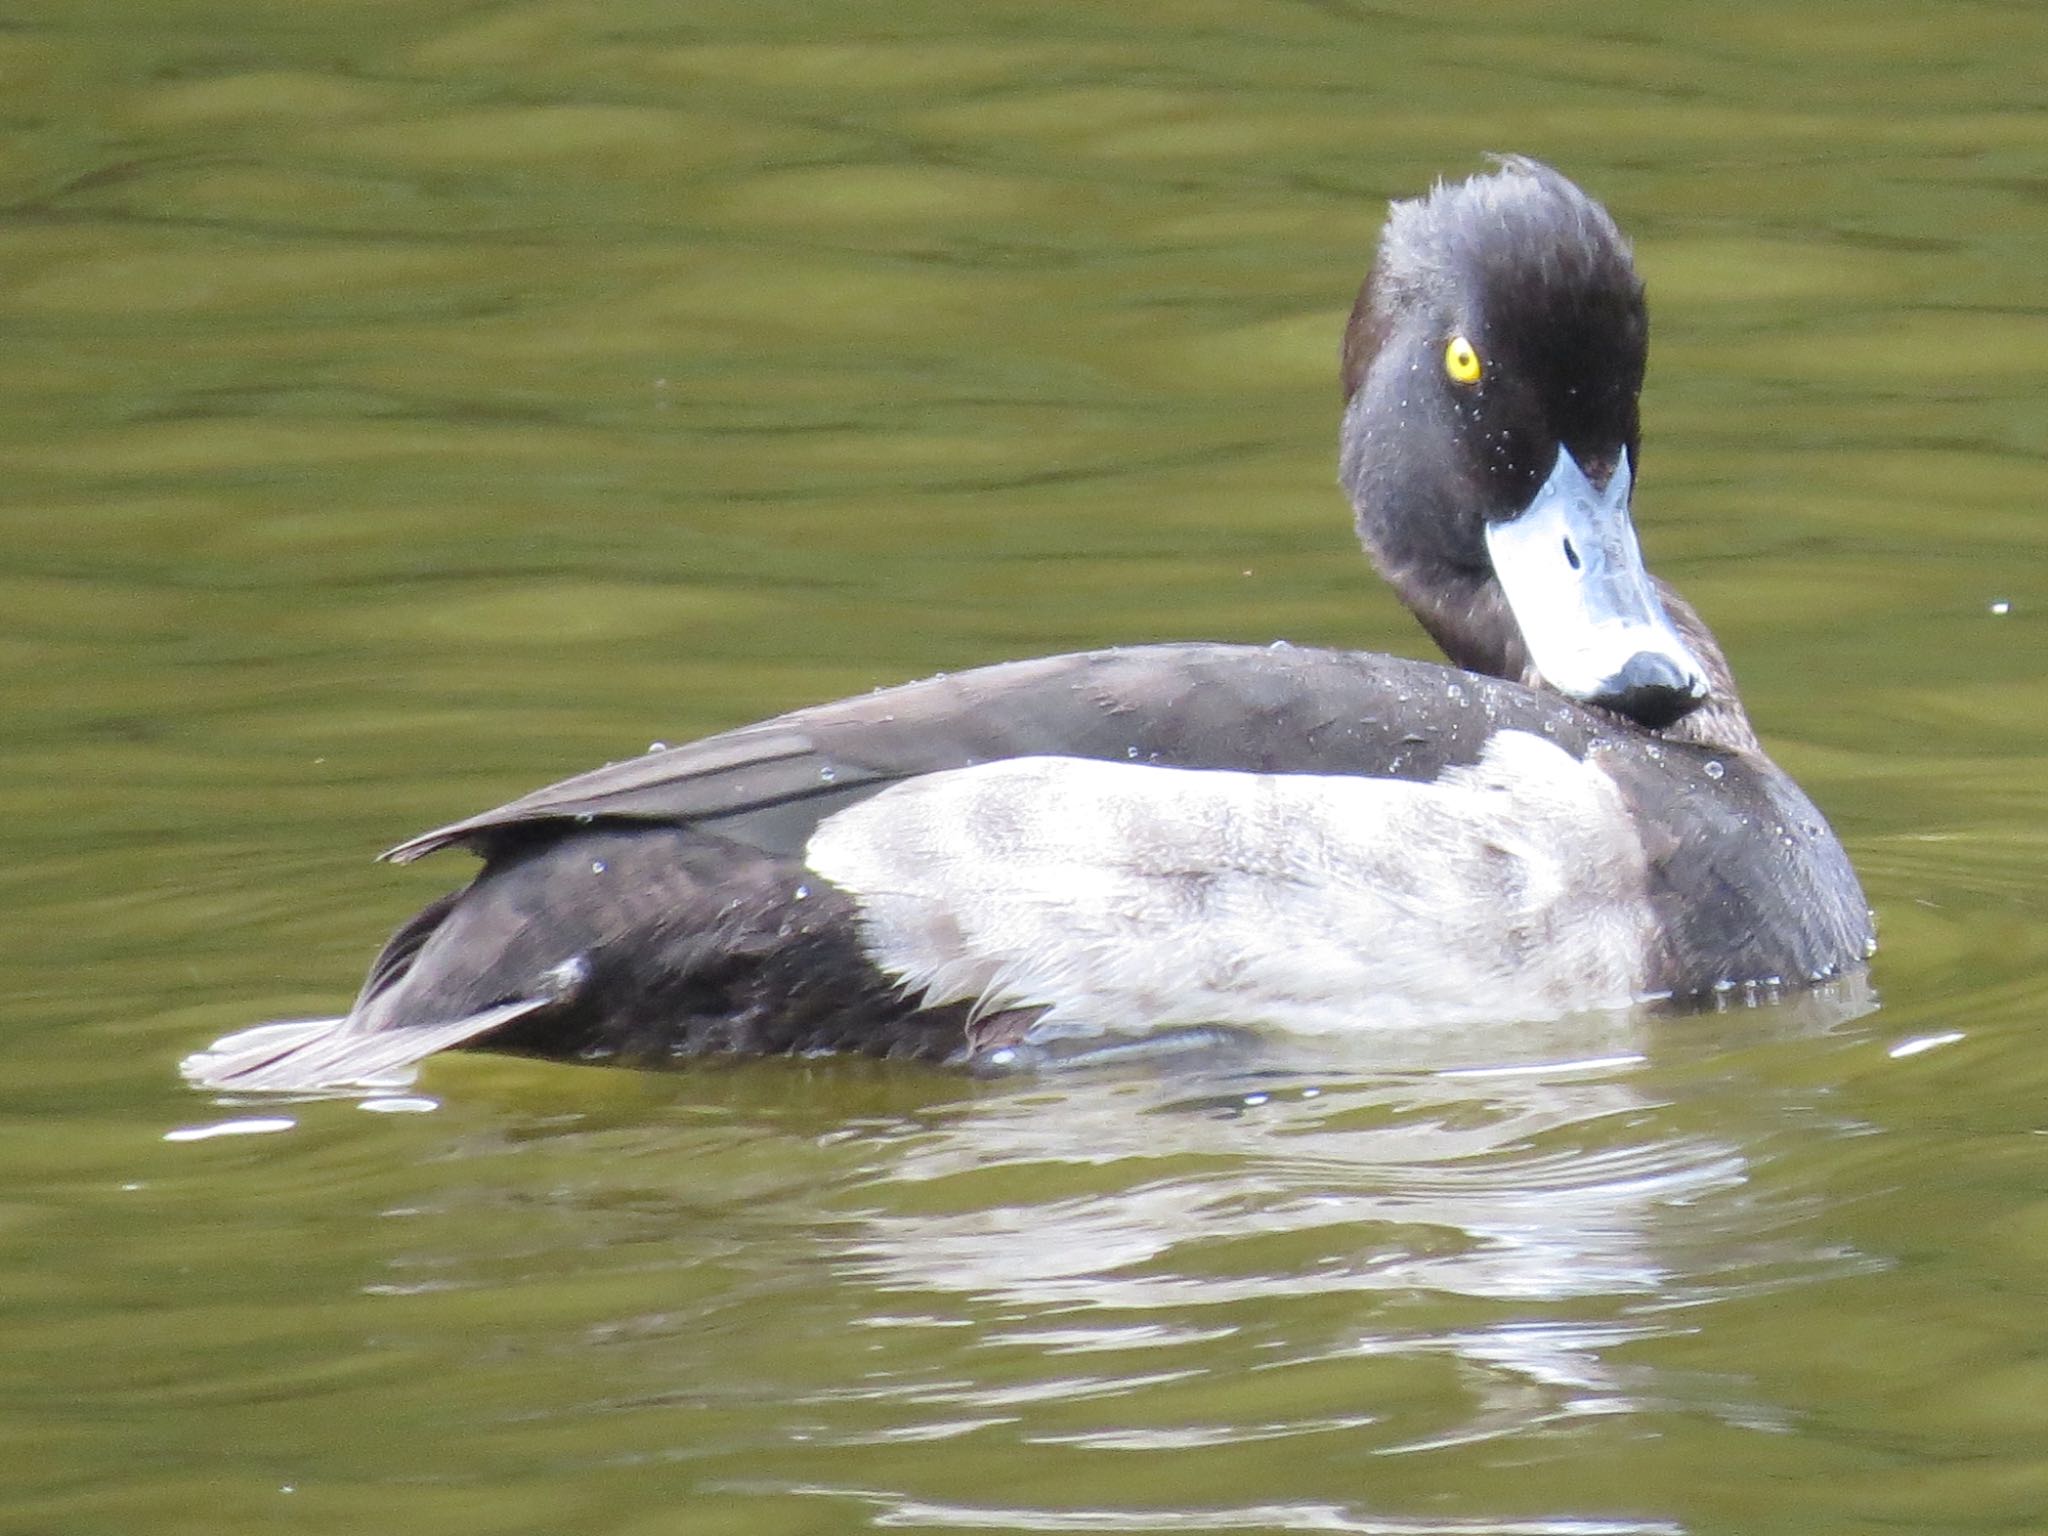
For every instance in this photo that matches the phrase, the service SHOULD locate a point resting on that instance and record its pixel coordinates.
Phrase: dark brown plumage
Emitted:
(662, 907)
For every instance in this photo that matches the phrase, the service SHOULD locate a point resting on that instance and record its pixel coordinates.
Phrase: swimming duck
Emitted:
(1576, 814)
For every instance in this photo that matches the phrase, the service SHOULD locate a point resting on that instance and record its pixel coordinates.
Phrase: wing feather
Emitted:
(1267, 709)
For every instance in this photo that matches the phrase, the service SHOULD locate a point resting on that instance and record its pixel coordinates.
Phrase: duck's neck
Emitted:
(1721, 721)
(1467, 615)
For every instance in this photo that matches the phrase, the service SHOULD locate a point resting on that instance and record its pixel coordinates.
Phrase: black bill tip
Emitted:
(1653, 690)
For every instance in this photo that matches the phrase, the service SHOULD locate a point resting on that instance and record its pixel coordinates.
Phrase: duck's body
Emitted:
(1198, 834)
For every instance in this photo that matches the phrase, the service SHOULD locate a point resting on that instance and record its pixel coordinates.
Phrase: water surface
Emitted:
(407, 405)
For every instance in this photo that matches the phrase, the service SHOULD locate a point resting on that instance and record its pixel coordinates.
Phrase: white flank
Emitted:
(1122, 896)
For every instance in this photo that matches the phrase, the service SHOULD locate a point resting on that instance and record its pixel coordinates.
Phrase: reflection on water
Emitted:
(1526, 1209)
(406, 405)
(896, 1514)
(1268, 1263)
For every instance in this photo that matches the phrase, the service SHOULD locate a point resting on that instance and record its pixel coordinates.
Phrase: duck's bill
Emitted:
(1574, 576)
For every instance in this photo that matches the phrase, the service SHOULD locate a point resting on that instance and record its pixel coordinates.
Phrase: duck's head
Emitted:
(1491, 440)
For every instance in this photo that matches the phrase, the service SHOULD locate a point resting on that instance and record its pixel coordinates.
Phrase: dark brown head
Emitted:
(1491, 440)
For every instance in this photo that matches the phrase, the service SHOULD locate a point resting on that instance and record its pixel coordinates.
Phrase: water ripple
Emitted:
(895, 1512)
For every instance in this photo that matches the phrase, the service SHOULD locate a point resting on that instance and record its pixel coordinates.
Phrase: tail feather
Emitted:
(320, 1055)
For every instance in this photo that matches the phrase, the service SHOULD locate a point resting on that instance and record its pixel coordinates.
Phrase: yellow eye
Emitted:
(1461, 362)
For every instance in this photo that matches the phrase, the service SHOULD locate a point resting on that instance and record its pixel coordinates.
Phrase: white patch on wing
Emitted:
(1122, 896)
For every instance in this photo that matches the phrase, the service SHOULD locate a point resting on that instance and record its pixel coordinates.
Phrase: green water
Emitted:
(402, 405)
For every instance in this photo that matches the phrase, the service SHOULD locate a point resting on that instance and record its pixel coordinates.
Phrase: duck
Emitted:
(1573, 814)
